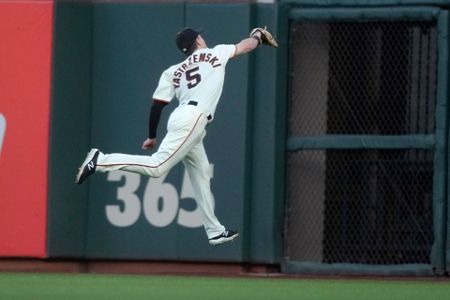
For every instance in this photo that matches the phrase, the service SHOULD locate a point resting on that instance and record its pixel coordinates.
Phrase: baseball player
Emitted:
(197, 83)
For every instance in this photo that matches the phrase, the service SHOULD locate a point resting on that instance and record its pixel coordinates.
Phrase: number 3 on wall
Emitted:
(157, 192)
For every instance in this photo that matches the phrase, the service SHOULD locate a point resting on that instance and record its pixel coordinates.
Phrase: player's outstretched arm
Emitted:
(248, 44)
(258, 36)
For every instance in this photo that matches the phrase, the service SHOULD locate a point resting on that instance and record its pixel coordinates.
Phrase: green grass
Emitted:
(37, 286)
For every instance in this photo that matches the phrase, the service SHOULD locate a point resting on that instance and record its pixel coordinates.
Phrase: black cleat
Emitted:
(88, 166)
(226, 236)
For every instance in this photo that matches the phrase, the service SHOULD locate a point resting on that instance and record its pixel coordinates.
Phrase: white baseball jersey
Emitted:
(198, 78)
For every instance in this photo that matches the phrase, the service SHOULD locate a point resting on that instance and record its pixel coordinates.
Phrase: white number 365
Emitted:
(160, 203)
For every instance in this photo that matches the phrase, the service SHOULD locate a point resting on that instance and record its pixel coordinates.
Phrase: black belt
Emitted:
(195, 103)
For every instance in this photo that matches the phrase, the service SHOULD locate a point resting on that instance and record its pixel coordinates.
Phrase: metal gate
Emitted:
(361, 178)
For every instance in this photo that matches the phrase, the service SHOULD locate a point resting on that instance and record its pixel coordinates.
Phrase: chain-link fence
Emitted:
(365, 206)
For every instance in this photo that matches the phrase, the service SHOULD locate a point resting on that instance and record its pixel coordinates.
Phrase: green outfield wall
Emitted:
(70, 131)
(107, 59)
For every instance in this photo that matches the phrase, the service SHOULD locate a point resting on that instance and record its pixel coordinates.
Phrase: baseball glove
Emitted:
(266, 36)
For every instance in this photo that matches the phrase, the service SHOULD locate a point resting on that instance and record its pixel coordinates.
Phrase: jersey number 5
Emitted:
(192, 77)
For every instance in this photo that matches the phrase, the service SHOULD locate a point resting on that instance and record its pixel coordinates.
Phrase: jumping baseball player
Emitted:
(197, 83)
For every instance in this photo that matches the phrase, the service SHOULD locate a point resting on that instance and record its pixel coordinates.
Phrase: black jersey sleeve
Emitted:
(155, 115)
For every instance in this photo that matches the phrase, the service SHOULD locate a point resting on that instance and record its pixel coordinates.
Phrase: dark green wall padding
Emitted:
(70, 128)
(107, 61)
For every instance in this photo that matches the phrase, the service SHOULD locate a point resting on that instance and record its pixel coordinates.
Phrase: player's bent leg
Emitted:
(174, 147)
(141, 164)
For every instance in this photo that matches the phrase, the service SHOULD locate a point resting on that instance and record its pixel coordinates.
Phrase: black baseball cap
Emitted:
(186, 39)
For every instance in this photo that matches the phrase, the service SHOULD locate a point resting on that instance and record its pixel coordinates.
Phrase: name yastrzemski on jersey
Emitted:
(194, 58)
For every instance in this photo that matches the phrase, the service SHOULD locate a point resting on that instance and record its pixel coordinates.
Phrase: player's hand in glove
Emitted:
(264, 37)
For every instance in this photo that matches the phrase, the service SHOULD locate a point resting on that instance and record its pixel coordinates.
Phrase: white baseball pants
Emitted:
(183, 142)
